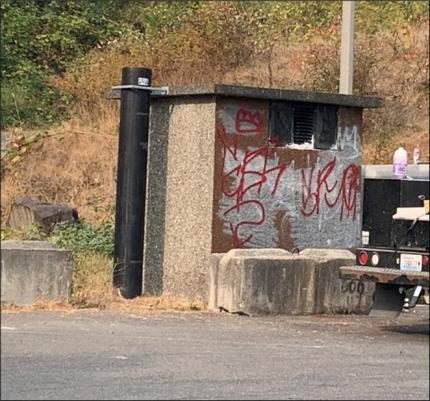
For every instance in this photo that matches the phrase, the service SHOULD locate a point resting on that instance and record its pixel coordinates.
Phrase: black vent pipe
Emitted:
(131, 181)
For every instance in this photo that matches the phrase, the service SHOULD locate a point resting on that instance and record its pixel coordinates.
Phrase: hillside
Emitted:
(71, 156)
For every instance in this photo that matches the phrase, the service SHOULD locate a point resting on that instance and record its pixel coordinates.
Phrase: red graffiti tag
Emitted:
(343, 192)
(247, 178)
(237, 241)
(248, 122)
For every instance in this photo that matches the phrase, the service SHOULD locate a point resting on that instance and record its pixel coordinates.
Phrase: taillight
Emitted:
(363, 257)
(374, 259)
(425, 260)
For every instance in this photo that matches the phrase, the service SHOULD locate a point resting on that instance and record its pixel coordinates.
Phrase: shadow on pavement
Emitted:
(416, 328)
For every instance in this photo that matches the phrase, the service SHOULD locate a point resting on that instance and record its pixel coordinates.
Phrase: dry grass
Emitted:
(162, 303)
(72, 165)
(139, 305)
(92, 281)
(382, 153)
(40, 304)
(92, 288)
(76, 163)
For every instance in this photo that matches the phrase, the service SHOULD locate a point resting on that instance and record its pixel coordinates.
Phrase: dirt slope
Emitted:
(76, 162)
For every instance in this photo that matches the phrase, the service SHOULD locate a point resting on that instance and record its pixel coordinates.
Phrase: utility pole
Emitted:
(347, 48)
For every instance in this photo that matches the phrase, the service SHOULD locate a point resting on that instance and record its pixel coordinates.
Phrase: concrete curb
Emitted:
(34, 270)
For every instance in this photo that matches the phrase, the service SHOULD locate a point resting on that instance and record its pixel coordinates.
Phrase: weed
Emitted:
(28, 233)
(92, 280)
(81, 236)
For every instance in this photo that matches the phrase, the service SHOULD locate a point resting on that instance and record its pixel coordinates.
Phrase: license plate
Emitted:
(412, 263)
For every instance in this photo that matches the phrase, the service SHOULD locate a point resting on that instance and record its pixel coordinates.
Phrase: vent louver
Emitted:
(304, 117)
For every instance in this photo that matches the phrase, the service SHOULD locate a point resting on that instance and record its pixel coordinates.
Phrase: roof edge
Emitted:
(361, 101)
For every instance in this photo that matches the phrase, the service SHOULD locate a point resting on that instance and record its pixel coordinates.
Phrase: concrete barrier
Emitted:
(333, 294)
(260, 281)
(34, 270)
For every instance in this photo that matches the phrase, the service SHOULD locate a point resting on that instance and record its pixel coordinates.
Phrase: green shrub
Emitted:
(78, 236)
(81, 236)
(31, 100)
(41, 38)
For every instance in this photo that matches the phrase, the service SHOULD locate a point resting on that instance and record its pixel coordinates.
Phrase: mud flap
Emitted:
(387, 301)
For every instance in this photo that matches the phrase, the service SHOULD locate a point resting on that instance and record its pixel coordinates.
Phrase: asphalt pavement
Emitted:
(201, 355)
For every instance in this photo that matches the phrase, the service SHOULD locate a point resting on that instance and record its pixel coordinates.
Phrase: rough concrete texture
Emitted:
(156, 197)
(333, 294)
(185, 226)
(34, 270)
(275, 281)
(217, 259)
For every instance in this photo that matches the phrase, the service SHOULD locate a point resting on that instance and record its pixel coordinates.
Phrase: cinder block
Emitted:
(32, 270)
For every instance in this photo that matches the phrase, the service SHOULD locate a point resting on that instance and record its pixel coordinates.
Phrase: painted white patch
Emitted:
(302, 146)
(349, 141)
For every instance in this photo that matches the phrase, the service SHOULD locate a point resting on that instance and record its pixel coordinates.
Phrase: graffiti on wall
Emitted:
(247, 176)
(317, 192)
(258, 185)
(249, 122)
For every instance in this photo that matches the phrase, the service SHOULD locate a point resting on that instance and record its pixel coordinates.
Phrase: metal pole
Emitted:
(131, 182)
(347, 48)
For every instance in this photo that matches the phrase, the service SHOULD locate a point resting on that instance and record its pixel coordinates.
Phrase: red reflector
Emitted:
(425, 260)
(363, 257)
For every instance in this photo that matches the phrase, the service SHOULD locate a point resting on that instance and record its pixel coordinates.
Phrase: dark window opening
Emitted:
(301, 123)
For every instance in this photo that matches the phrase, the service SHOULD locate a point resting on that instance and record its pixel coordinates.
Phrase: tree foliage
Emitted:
(42, 38)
